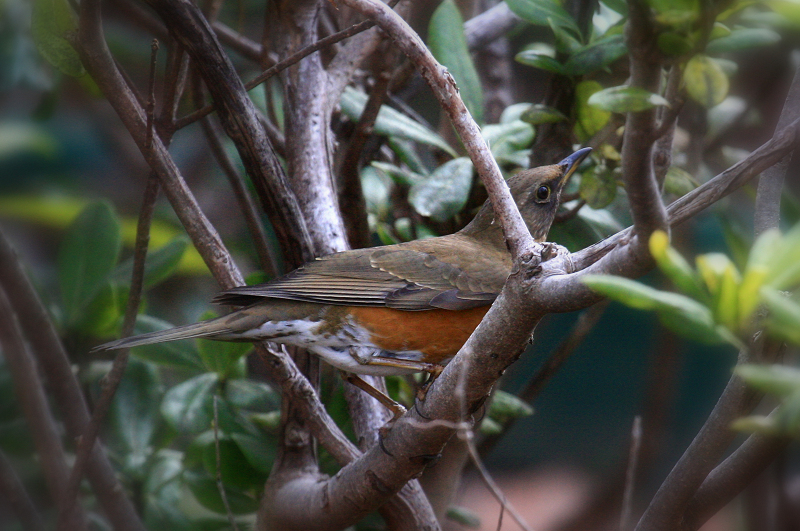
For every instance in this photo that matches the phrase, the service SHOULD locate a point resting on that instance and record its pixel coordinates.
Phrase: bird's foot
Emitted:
(554, 251)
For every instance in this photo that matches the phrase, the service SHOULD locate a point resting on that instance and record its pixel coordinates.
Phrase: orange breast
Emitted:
(438, 334)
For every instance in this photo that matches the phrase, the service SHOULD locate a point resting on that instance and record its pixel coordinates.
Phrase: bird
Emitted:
(394, 309)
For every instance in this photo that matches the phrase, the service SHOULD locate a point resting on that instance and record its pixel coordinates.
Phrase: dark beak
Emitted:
(571, 163)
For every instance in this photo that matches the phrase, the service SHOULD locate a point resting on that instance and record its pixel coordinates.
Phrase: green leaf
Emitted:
(204, 488)
(260, 452)
(726, 308)
(675, 13)
(705, 81)
(445, 192)
(624, 99)
(598, 187)
(88, 253)
(712, 267)
(674, 266)
(505, 406)
(784, 318)
(590, 119)
(675, 43)
(508, 137)
(235, 469)
(780, 380)
(102, 314)
(681, 314)
(399, 175)
(539, 60)
(448, 45)
(159, 265)
(743, 39)
(51, 22)
(719, 30)
(220, 356)
(566, 40)
(406, 151)
(540, 12)
(249, 394)
(19, 137)
(679, 182)
(134, 415)
(756, 424)
(538, 114)
(177, 354)
(187, 406)
(490, 427)
(784, 260)
(464, 516)
(596, 55)
(391, 123)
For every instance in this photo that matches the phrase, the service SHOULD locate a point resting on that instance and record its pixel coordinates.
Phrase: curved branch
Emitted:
(446, 92)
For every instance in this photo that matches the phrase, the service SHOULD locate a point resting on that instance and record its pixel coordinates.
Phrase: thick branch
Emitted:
(728, 479)
(240, 120)
(668, 507)
(493, 23)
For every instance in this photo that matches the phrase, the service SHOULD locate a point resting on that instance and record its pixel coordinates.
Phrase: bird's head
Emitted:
(537, 192)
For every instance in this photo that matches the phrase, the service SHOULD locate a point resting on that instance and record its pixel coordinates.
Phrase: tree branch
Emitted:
(446, 92)
(29, 389)
(241, 122)
(38, 329)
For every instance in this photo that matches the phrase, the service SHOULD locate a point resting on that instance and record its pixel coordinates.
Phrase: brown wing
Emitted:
(452, 272)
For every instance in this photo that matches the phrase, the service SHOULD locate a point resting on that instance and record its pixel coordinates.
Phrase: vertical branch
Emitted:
(52, 358)
(240, 119)
(351, 198)
(29, 389)
(647, 208)
(770, 184)
(308, 142)
(266, 257)
(112, 380)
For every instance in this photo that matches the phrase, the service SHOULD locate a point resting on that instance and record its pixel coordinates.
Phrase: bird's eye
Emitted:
(543, 193)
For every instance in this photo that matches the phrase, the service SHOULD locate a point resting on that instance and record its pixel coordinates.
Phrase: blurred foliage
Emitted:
(160, 430)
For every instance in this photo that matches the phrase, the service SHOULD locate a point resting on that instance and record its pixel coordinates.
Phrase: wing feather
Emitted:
(452, 272)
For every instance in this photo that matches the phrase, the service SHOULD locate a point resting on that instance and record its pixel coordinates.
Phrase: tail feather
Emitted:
(208, 328)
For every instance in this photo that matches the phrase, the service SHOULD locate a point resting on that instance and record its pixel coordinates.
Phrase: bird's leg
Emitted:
(397, 409)
(433, 369)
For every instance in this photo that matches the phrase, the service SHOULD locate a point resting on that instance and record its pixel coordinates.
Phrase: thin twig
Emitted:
(351, 197)
(151, 93)
(492, 486)
(585, 323)
(218, 472)
(266, 255)
(625, 522)
(112, 380)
